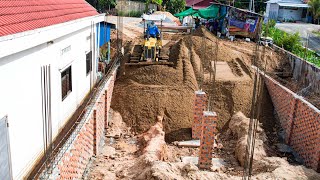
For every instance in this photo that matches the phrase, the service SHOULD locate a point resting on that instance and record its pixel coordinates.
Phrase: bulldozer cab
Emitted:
(149, 52)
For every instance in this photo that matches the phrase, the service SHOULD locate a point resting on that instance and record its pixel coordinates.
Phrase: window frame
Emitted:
(64, 74)
(88, 62)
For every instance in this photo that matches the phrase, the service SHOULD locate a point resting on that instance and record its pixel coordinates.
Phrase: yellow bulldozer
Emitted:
(149, 52)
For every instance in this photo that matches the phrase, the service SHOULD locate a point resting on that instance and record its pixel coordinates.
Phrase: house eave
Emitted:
(39, 36)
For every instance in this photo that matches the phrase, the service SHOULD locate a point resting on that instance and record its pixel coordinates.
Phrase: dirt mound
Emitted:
(144, 93)
(169, 16)
(239, 126)
(153, 144)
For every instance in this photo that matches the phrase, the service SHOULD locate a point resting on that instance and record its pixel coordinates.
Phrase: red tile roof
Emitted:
(23, 15)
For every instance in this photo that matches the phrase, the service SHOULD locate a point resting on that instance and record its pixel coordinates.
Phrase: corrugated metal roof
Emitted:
(23, 15)
(300, 5)
(199, 4)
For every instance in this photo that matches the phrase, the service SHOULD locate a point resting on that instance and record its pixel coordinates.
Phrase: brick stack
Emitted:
(209, 123)
(300, 120)
(199, 106)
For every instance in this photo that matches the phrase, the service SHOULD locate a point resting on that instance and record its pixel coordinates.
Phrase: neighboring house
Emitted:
(287, 10)
(62, 34)
(199, 4)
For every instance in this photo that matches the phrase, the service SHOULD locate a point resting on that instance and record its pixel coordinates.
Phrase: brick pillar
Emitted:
(200, 105)
(95, 132)
(209, 123)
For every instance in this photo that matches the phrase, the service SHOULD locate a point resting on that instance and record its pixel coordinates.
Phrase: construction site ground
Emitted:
(143, 94)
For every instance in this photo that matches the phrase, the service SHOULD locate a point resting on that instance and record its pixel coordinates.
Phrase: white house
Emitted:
(287, 10)
(62, 34)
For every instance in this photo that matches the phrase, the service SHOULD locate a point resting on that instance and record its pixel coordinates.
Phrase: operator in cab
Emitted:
(153, 31)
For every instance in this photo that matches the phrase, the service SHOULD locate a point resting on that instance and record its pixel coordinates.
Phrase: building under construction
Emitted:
(199, 107)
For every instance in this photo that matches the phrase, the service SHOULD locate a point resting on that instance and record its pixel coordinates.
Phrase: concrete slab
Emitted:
(224, 72)
(191, 143)
(216, 162)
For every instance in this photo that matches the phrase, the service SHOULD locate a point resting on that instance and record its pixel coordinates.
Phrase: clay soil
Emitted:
(142, 93)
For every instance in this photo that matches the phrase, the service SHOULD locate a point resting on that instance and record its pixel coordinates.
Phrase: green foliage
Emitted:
(147, 2)
(158, 2)
(315, 8)
(290, 42)
(259, 5)
(271, 23)
(175, 6)
(102, 5)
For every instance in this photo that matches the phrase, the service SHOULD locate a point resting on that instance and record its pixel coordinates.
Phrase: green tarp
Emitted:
(209, 12)
(187, 12)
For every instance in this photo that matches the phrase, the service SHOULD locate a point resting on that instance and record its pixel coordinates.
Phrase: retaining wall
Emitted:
(127, 6)
(304, 72)
(300, 121)
(86, 140)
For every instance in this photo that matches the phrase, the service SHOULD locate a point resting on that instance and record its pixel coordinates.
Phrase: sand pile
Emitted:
(169, 16)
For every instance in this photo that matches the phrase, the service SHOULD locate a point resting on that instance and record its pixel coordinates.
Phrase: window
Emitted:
(89, 62)
(66, 82)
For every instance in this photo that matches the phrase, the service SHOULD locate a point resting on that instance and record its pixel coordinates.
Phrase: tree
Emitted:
(175, 6)
(315, 9)
(102, 5)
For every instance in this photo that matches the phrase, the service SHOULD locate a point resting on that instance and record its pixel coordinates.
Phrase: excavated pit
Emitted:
(143, 93)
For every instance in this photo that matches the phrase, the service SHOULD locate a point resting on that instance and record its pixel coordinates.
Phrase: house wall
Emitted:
(21, 57)
(290, 14)
(272, 10)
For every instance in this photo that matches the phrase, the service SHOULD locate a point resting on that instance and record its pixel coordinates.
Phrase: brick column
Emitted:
(209, 123)
(200, 105)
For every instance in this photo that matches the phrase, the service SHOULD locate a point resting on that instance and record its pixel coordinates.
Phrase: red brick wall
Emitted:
(300, 120)
(99, 121)
(200, 105)
(305, 137)
(89, 139)
(74, 161)
(209, 123)
(108, 92)
(284, 104)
